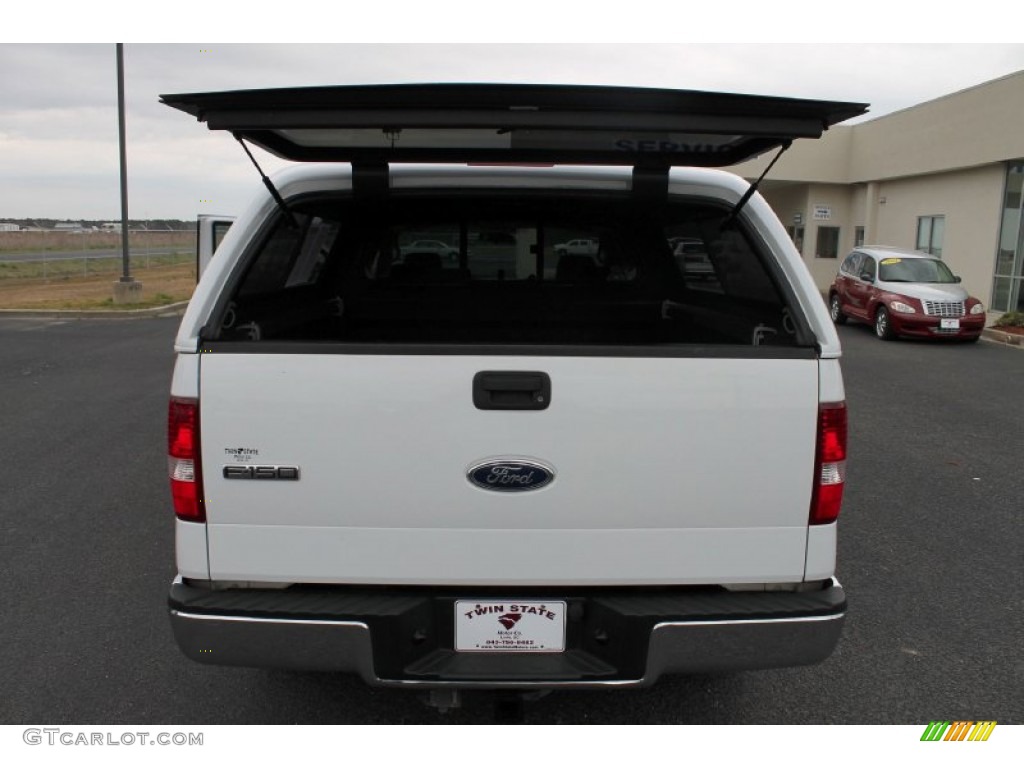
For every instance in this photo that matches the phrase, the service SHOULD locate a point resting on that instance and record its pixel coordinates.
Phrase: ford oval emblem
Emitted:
(510, 474)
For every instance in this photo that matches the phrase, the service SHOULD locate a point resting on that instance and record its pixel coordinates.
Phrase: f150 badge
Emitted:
(510, 474)
(260, 472)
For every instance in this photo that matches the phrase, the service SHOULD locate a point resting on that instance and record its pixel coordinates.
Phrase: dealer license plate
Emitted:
(510, 625)
(951, 324)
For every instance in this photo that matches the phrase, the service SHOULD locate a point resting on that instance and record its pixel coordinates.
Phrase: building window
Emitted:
(858, 237)
(828, 243)
(796, 234)
(930, 230)
(1007, 291)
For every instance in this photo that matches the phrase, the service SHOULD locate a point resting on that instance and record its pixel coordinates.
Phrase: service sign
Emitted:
(510, 626)
(822, 212)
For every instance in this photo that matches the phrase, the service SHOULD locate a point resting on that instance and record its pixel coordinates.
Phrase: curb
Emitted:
(1001, 337)
(167, 310)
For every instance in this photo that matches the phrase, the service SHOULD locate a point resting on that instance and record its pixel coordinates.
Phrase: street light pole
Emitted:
(126, 290)
(126, 274)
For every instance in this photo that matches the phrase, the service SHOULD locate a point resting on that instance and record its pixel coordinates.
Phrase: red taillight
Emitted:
(183, 464)
(829, 464)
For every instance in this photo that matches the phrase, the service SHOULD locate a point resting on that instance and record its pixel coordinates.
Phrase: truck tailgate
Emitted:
(685, 470)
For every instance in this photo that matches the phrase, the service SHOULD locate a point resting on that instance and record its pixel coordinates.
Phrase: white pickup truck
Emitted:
(501, 470)
(578, 247)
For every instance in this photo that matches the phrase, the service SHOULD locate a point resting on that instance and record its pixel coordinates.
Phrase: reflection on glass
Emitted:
(1001, 294)
(930, 230)
(924, 233)
(938, 230)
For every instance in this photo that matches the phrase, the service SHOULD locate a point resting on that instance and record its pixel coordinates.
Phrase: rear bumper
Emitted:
(396, 637)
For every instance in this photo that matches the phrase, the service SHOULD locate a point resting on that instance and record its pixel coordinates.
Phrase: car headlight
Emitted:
(899, 306)
(978, 309)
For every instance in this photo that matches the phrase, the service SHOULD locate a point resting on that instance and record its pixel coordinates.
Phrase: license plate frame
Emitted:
(510, 626)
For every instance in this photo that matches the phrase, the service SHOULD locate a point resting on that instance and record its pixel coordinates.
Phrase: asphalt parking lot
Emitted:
(930, 555)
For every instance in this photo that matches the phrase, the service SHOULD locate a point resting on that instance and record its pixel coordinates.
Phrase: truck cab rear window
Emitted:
(538, 271)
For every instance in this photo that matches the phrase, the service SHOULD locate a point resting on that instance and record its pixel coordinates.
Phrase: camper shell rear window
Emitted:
(501, 269)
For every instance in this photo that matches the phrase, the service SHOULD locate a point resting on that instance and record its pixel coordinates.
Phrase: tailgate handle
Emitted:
(511, 390)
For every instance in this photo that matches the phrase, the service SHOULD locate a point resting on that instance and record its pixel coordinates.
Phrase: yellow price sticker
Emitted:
(891, 261)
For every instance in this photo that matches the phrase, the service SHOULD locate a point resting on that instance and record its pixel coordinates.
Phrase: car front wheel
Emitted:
(834, 311)
(883, 326)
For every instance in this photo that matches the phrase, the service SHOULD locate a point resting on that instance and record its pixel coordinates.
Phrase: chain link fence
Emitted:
(51, 255)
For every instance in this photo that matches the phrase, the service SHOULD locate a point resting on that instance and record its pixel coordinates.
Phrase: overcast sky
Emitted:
(58, 112)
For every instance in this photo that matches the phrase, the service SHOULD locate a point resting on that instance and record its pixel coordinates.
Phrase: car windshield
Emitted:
(896, 270)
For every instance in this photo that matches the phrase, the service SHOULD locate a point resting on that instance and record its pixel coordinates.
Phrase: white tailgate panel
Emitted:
(684, 470)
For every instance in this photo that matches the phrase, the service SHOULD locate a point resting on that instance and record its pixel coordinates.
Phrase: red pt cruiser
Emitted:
(904, 293)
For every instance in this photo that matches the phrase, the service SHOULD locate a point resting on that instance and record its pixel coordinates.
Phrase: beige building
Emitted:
(945, 176)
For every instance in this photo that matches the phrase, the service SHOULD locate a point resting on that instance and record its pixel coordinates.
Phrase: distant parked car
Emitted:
(692, 257)
(904, 293)
(578, 247)
(442, 249)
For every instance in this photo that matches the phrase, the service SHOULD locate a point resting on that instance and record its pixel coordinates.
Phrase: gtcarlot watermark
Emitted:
(62, 737)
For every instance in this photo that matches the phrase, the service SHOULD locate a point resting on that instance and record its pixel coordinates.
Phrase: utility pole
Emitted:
(126, 290)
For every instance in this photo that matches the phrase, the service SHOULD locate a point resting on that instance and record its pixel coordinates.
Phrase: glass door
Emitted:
(1007, 295)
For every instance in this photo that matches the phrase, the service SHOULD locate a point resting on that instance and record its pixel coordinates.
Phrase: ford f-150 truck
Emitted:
(513, 468)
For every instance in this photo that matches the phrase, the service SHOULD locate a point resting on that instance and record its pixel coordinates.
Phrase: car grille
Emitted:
(944, 308)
